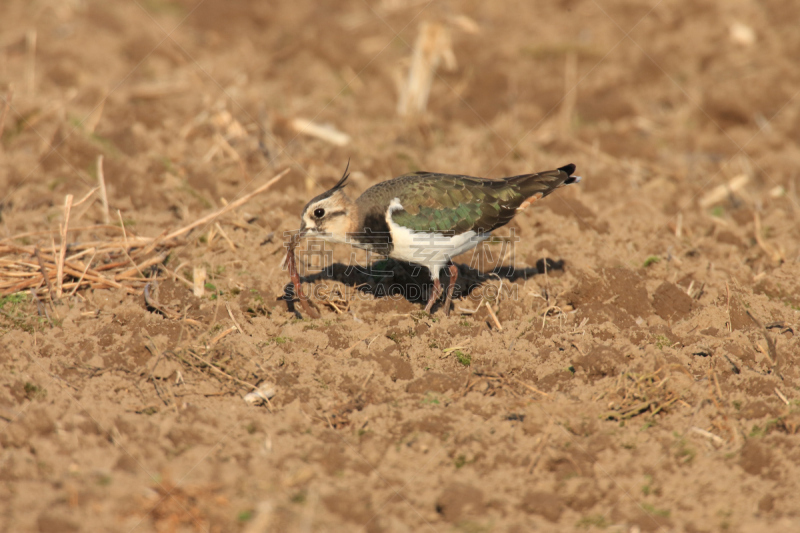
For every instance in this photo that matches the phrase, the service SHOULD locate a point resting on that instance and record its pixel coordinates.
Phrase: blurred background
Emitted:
(683, 118)
(205, 96)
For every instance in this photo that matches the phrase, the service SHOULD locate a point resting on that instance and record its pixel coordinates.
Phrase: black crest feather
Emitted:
(342, 182)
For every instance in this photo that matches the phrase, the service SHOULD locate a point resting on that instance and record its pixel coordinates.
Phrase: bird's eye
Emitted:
(319, 213)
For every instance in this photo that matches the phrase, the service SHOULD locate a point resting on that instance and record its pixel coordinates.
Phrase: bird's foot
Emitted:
(437, 292)
(453, 272)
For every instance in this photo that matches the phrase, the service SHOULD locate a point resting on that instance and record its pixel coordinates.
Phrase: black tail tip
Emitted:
(569, 169)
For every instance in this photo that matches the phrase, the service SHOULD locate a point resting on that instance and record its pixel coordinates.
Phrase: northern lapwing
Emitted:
(427, 218)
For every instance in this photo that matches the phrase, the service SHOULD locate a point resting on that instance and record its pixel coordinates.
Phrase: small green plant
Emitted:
(661, 341)
(463, 358)
(595, 520)
(430, 399)
(245, 515)
(282, 340)
(651, 260)
(460, 461)
(299, 497)
(647, 488)
(648, 424)
(12, 300)
(684, 454)
(34, 392)
(758, 432)
(718, 212)
(655, 511)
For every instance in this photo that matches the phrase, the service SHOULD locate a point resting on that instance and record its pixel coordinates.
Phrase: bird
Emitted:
(426, 218)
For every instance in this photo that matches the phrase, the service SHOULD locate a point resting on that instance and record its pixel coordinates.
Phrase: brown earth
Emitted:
(645, 382)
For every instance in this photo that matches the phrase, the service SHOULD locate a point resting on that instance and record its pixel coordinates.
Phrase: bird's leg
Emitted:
(453, 271)
(437, 291)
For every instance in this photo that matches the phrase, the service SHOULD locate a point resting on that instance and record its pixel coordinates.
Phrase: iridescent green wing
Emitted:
(445, 203)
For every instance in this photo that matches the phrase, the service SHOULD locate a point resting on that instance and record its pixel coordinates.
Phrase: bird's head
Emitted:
(330, 215)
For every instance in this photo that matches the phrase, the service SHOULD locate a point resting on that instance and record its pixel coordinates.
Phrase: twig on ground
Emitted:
(44, 272)
(103, 194)
(326, 133)
(494, 317)
(780, 395)
(229, 207)
(707, 434)
(772, 352)
(230, 314)
(150, 300)
(225, 236)
(83, 275)
(63, 253)
(125, 250)
(221, 372)
(6, 107)
(223, 334)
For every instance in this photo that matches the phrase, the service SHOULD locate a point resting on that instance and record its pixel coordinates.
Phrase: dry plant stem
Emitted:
(225, 236)
(773, 352)
(230, 314)
(783, 397)
(6, 106)
(30, 67)
(89, 264)
(141, 266)
(532, 389)
(125, 250)
(218, 371)
(298, 289)
(773, 254)
(103, 194)
(85, 197)
(229, 207)
(331, 135)
(541, 448)
(149, 300)
(494, 317)
(707, 434)
(44, 272)
(50, 232)
(152, 246)
(63, 254)
(55, 270)
(219, 337)
(570, 92)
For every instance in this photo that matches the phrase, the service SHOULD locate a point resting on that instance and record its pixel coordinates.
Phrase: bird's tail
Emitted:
(532, 187)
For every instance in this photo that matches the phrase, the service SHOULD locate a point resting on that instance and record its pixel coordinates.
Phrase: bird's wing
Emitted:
(446, 203)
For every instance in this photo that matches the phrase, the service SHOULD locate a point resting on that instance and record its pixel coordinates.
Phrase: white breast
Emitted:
(433, 250)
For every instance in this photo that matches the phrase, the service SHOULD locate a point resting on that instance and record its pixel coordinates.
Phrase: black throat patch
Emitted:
(374, 235)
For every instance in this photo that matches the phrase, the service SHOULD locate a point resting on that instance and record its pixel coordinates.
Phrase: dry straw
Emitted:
(26, 267)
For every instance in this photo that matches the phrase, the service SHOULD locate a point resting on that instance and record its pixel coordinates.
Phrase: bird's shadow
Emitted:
(398, 279)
